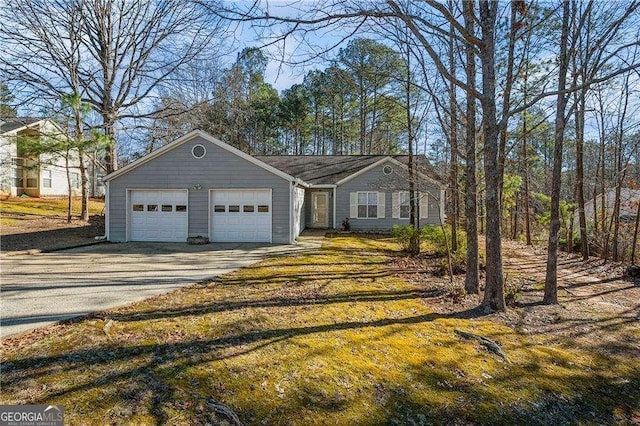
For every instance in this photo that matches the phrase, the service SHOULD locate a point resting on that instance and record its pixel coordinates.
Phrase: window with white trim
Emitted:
(46, 178)
(404, 205)
(32, 177)
(19, 172)
(75, 180)
(367, 205)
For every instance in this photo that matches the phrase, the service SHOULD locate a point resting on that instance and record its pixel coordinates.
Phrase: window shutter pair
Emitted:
(395, 205)
(353, 204)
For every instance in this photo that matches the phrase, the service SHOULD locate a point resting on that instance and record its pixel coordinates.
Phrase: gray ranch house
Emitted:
(201, 186)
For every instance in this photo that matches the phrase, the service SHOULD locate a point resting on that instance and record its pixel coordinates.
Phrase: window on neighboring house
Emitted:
(75, 180)
(19, 172)
(367, 205)
(46, 178)
(405, 206)
(32, 176)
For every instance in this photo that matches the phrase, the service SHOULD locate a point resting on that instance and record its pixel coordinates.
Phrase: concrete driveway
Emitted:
(41, 289)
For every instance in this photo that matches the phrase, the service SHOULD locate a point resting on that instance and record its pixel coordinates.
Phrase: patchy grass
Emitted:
(46, 206)
(334, 336)
(35, 213)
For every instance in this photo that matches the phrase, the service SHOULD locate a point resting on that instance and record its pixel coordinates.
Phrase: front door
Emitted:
(319, 210)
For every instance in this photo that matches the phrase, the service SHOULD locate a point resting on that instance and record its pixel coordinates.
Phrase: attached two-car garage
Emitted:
(199, 186)
(235, 215)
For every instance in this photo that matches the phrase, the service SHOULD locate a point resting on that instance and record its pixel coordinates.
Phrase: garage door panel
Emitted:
(151, 223)
(236, 215)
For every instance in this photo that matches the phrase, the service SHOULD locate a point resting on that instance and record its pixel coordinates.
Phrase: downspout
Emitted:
(107, 214)
(335, 189)
(291, 213)
(442, 213)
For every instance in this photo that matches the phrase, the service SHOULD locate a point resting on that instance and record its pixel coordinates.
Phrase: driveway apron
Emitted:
(41, 289)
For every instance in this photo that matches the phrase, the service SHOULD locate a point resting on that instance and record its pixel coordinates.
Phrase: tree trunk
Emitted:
(472, 277)
(506, 96)
(525, 164)
(453, 141)
(621, 169)
(551, 279)
(582, 218)
(111, 156)
(363, 117)
(69, 187)
(84, 212)
(604, 240)
(494, 288)
(414, 241)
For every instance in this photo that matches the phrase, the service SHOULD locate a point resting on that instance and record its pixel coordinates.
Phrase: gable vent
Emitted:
(198, 151)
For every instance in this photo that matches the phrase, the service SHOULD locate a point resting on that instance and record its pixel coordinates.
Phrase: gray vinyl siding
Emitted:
(308, 204)
(219, 169)
(376, 180)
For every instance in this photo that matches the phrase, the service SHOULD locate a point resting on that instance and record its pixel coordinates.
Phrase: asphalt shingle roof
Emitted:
(330, 169)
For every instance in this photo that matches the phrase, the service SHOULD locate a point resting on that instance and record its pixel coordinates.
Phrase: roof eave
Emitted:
(34, 124)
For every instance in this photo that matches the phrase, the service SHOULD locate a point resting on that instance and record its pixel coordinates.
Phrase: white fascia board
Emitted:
(39, 124)
(322, 186)
(300, 182)
(393, 161)
(189, 136)
(26, 126)
(429, 179)
(397, 163)
(362, 171)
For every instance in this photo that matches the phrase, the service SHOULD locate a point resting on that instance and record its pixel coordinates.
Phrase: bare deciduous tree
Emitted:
(127, 49)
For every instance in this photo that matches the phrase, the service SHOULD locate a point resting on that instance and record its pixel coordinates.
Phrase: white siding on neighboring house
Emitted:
(38, 175)
(8, 152)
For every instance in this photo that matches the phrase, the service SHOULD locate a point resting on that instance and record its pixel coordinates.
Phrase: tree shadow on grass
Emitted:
(146, 370)
(592, 399)
(141, 360)
(54, 238)
(277, 302)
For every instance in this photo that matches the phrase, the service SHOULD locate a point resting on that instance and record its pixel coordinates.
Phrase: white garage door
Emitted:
(241, 215)
(158, 215)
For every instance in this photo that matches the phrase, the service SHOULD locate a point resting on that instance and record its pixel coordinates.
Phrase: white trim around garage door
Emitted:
(241, 212)
(129, 207)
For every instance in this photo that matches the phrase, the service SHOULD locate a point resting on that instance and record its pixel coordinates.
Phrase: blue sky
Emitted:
(308, 53)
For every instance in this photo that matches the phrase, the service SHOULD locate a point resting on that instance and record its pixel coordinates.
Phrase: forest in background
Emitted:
(529, 109)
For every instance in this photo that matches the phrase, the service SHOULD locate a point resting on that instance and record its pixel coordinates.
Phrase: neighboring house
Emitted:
(200, 186)
(629, 199)
(23, 171)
